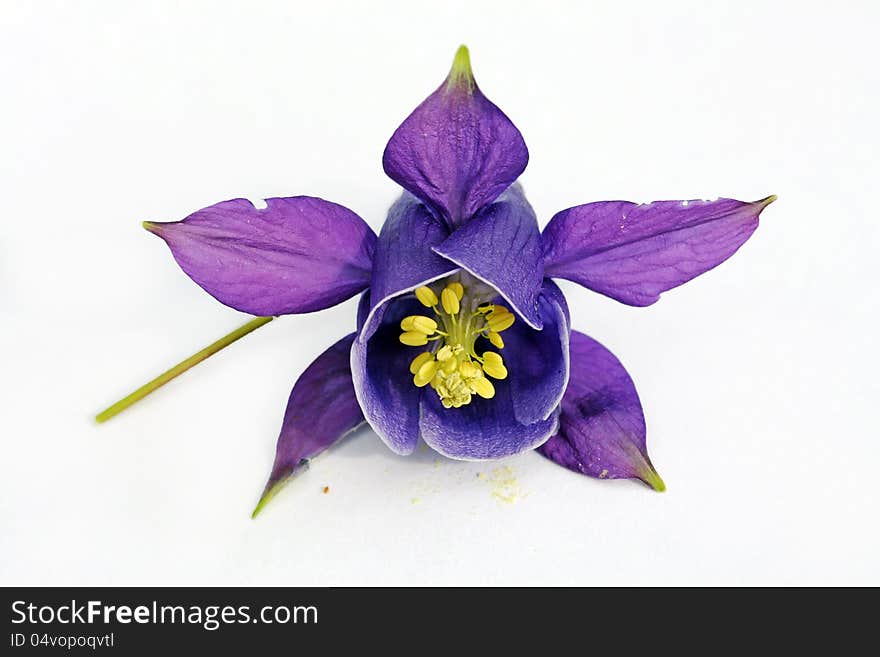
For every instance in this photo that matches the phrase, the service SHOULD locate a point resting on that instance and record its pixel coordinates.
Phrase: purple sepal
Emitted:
(502, 246)
(297, 255)
(633, 253)
(602, 427)
(404, 260)
(322, 408)
(457, 151)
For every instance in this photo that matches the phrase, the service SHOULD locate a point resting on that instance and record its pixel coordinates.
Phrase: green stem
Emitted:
(180, 368)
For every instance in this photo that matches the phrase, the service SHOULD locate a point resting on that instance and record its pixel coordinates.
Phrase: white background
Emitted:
(759, 379)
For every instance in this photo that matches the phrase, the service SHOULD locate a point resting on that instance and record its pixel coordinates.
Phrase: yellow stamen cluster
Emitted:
(451, 366)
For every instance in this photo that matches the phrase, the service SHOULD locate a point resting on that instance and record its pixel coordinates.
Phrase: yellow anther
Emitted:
(413, 338)
(460, 314)
(496, 340)
(463, 400)
(426, 373)
(458, 288)
(468, 370)
(419, 323)
(445, 353)
(500, 319)
(420, 360)
(483, 387)
(493, 365)
(426, 296)
(449, 299)
(449, 365)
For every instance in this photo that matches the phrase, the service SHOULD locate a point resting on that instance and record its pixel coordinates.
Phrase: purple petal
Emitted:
(404, 259)
(538, 360)
(502, 246)
(297, 255)
(483, 429)
(382, 380)
(632, 252)
(322, 409)
(457, 151)
(602, 427)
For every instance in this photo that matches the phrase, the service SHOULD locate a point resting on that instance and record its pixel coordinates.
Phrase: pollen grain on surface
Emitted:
(505, 486)
(451, 365)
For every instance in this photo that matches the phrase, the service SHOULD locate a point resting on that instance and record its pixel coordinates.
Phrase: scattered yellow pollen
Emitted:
(426, 296)
(505, 487)
(450, 301)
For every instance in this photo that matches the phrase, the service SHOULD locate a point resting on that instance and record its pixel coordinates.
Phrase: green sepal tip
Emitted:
(461, 76)
(649, 476)
(272, 487)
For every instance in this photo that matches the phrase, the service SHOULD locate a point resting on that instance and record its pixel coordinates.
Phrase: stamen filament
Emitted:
(452, 367)
(180, 368)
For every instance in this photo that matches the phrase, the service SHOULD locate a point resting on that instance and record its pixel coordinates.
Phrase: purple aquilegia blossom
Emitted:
(463, 339)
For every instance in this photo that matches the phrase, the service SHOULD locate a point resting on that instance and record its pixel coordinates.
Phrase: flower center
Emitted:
(461, 314)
